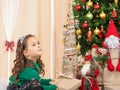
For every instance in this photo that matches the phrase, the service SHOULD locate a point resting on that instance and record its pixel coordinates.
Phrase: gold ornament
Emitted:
(89, 3)
(102, 15)
(96, 31)
(78, 31)
(73, 3)
(78, 47)
(116, 2)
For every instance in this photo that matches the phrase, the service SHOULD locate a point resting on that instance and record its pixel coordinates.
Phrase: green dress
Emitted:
(29, 73)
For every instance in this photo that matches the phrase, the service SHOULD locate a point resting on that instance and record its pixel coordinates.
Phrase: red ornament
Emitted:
(78, 7)
(9, 45)
(85, 25)
(119, 22)
(95, 46)
(114, 13)
(89, 35)
(101, 33)
(96, 6)
(83, 0)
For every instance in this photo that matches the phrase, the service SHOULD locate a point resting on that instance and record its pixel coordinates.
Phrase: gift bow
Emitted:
(9, 45)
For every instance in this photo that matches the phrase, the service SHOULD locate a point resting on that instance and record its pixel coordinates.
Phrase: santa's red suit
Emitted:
(92, 80)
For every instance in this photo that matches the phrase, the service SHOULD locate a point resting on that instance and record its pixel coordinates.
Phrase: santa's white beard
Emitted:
(85, 68)
(112, 42)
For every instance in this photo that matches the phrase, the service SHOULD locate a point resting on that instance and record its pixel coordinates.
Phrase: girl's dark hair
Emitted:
(21, 61)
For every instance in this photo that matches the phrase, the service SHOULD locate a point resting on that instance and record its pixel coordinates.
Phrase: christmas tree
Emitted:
(69, 58)
(91, 21)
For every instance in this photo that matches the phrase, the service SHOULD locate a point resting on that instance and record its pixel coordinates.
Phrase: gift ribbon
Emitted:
(9, 45)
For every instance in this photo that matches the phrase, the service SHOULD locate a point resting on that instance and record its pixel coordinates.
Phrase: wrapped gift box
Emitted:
(112, 87)
(68, 84)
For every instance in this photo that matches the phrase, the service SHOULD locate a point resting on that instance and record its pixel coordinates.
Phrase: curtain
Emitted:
(9, 15)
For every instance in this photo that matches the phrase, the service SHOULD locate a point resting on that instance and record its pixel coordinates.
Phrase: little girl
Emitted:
(28, 64)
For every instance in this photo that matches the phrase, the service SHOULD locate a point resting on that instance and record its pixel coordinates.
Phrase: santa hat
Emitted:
(111, 33)
(88, 58)
(112, 30)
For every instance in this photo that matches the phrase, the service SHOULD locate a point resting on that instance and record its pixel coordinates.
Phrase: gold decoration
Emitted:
(96, 31)
(78, 31)
(63, 40)
(78, 47)
(116, 2)
(73, 3)
(89, 3)
(67, 22)
(102, 15)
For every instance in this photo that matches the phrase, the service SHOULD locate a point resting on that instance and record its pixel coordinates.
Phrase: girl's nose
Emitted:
(39, 47)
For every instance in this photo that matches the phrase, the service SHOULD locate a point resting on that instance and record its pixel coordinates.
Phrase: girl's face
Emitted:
(33, 49)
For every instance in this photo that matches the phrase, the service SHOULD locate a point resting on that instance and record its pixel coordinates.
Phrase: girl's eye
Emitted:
(33, 44)
(38, 43)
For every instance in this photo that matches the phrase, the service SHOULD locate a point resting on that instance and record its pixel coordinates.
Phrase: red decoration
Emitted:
(88, 57)
(89, 35)
(85, 25)
(119, 22)
(96, 6)
(95, 46)
(97, 49)
(9, 45)
(118, 66)
(83, 0)
(78, 7)
(114, 13)
(110, 65)
(109, 62)
(105, 46)
(101, 33)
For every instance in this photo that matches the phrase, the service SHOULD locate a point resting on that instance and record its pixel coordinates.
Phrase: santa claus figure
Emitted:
(112, 36)
(111, 41)
(89, 74)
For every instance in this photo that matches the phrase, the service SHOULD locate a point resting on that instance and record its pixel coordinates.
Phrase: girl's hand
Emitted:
(53, 82)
